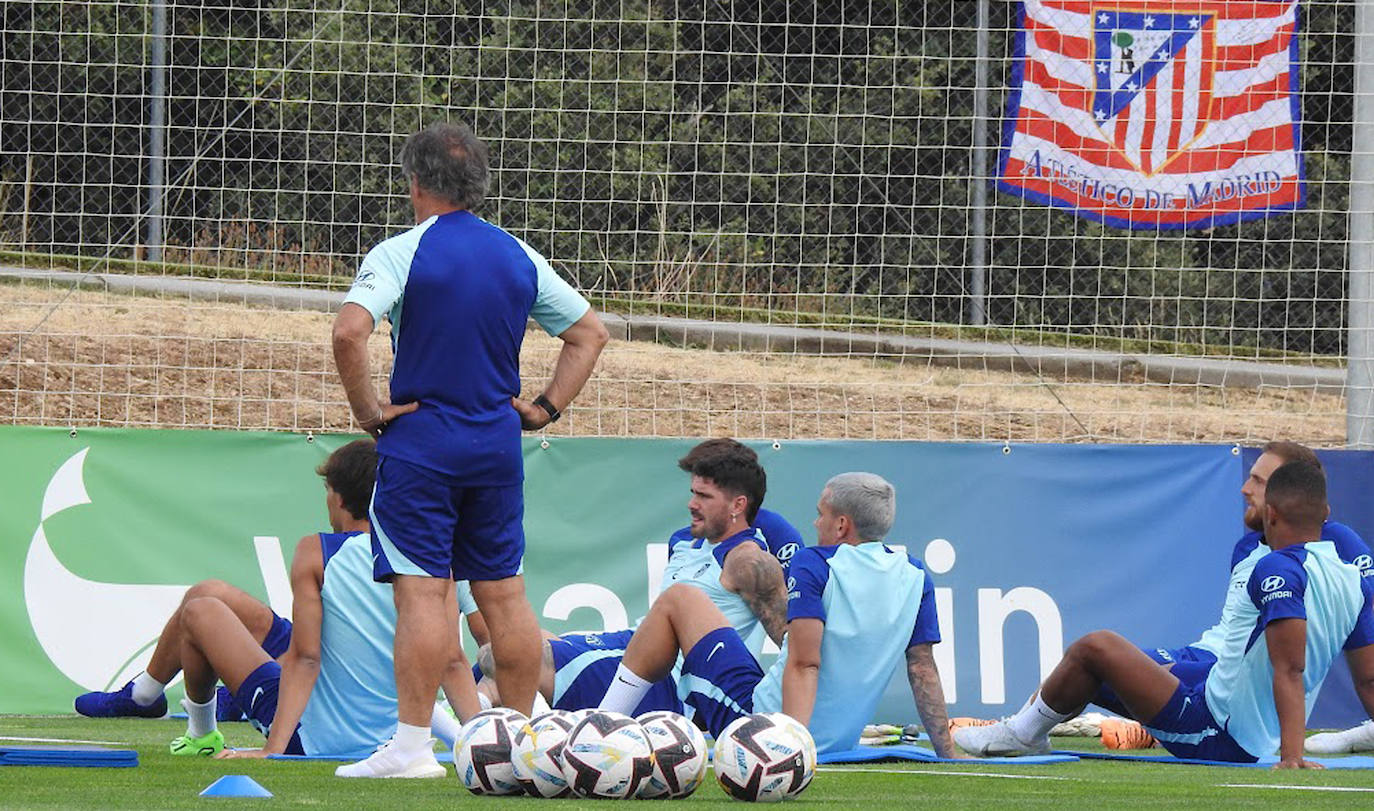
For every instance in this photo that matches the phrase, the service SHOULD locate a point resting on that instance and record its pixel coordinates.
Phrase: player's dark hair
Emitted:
(1292, 452)
(1297, 491)
(448, 161)
(350, 472)
(732, 467)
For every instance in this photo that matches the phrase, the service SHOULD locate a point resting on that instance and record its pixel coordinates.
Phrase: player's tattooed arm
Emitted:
(756, 576)
(929, 694)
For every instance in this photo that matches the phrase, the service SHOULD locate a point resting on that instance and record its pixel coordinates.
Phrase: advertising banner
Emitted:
(1030, 546)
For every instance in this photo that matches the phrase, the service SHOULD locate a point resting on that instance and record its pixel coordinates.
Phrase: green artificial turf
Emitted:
(162, 781)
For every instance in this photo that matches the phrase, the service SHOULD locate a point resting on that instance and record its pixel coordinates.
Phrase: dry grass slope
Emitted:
(117, 360)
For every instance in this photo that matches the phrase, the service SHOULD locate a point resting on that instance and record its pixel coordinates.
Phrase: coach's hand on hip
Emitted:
(385, 414)
(532, 415)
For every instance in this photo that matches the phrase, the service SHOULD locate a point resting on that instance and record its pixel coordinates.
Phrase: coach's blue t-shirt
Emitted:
(459, 292)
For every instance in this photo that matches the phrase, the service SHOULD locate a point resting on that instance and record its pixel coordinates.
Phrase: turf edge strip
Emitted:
(954, 774)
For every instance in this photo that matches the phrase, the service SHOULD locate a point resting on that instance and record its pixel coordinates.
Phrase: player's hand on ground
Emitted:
(389, 412)
(229, 754)
(532, 417)
(1297, 763)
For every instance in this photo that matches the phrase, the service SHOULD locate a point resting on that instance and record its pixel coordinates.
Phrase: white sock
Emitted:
(200, 718)
(146, 689)
(444, 726)
(625, 692)
(412, 739)
(484, 701)
(1034, 722)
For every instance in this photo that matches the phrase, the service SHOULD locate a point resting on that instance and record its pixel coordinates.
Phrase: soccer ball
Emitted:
(607, 756)
(537, 754)
(679, 756)
(765, 757)
(481, 753)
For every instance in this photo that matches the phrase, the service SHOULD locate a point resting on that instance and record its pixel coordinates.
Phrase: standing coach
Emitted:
(448, 502)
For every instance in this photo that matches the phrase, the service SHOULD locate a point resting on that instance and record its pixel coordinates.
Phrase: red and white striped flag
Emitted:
(1156, 113)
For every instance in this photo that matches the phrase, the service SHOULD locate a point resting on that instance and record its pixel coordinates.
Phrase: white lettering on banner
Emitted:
(993, 609)
(600, 599)
(656, 558)
(1079, 180)
(272, 564)
(939, 558)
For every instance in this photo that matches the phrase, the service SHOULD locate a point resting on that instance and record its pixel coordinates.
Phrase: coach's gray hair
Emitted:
(868, 499)
(448, 161)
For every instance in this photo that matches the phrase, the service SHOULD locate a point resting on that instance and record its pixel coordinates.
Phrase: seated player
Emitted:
(333, 692)
(1304, 604)
(725, 556)
(577, 668)
(143, 696)
(1350, 547)
(856, 607)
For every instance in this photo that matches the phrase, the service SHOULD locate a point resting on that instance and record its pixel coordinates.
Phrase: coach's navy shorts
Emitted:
(258, 696)
(1186, 727)
(423, 524)
(278, 637)
(718, 679)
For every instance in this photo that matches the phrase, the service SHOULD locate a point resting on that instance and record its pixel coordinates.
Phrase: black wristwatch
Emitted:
(543, 402)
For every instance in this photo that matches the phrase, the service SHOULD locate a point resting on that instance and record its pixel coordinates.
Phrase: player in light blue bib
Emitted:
(332, 692)
(856, 609)
(1308, 605)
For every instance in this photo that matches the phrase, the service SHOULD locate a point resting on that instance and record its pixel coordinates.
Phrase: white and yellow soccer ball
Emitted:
(481, 753)
(679, 751)
(765, 757)
(537, 754)
(607, 756)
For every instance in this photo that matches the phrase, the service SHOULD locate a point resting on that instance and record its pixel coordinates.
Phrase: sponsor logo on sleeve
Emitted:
(1273, 588)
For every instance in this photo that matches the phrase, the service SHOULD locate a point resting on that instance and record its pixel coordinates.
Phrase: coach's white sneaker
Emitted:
(997, 740)
(1355, 739)
(390, 761)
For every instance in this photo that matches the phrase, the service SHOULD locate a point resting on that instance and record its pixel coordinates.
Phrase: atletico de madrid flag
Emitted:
(1156, 113)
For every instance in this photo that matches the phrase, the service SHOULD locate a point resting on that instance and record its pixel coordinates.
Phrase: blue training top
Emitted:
(459, 292)
(1309, 582)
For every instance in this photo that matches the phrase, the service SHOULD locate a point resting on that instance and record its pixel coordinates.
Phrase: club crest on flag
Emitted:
(1156, 113)
(1153, 81)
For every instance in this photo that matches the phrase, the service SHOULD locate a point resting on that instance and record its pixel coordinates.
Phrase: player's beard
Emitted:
(711, 531)
(1254, 518)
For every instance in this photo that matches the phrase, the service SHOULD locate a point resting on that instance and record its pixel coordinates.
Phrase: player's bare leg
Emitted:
(1101, 657)
(678, 620)
(215, 645)
(143, 696)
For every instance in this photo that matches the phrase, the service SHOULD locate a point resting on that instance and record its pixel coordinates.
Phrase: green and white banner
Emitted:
(102, 530)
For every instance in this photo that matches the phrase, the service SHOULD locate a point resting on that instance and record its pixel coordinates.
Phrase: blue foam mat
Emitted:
(334, 758)
(90, 756)
(869, 754)
(1351, 762)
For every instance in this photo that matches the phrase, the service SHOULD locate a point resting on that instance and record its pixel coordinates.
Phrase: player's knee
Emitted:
(1095, 646)
(200, 613)
(679, 597)
(206, 588)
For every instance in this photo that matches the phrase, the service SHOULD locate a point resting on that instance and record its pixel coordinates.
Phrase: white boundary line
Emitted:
(1002, 775)
(1295, 788)
(59, 740)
